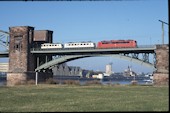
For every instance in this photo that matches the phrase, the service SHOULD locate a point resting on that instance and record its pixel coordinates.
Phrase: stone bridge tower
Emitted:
(21, 62)
(161, 75)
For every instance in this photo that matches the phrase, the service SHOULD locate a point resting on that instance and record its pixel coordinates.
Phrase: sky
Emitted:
(75, 21)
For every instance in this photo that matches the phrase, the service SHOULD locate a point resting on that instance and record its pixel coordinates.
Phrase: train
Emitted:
(117, 44)
(106, 44)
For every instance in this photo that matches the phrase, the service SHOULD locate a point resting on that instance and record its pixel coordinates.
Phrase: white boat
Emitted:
(150, 80)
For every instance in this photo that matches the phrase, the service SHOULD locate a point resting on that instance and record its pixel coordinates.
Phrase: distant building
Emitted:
(64, 69)
(109, 69)
(129, 72)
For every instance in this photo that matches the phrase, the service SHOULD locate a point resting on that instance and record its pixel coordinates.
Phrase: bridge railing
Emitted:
(146, 46)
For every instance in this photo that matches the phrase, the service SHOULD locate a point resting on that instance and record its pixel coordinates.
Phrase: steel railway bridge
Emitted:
(26, 61)
(139, 55)
(144, 55)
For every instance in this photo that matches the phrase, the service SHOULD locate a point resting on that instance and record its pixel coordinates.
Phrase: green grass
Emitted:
(49, 98)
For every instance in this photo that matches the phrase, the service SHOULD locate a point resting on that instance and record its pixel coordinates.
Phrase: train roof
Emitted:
(80, 42)
(116, 40)
(53, 43)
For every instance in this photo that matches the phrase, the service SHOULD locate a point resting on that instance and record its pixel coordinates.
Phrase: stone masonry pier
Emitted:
(161, 75)
(22, 63)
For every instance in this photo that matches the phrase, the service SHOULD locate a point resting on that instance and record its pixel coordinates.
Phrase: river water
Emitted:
(85, 80)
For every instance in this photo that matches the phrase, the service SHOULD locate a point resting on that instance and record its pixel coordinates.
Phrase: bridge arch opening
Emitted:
(67, 58)
(99, 63)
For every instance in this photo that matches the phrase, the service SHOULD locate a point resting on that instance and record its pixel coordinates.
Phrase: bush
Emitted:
(50, 81)
(134, 82)
(31, 82)
(96, 82)
(71, 82)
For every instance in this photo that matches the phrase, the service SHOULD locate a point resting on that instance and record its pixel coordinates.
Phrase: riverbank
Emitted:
(117, 79)
(88, 81)
(51, 98)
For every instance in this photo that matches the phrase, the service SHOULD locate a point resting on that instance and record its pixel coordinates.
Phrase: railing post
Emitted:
(36, 78)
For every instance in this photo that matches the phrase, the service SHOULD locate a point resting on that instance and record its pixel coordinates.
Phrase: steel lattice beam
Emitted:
(4, 43)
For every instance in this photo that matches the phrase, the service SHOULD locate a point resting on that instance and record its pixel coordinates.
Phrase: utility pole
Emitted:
(163, 30)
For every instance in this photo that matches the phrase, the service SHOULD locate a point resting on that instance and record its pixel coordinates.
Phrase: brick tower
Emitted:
(22, 62)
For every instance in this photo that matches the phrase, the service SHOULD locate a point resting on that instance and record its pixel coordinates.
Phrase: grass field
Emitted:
(60, 98)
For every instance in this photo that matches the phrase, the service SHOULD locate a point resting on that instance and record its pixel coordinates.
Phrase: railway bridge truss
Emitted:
(4, 40)
(143, 55)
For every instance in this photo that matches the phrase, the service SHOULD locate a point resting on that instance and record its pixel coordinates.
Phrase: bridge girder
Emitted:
(134, 58)
(59, 60)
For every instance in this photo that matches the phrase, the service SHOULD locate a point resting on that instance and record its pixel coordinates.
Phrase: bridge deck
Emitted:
(142, 49)
(93, 51)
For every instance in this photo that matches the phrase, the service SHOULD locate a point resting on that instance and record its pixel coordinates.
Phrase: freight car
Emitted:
(117, 44)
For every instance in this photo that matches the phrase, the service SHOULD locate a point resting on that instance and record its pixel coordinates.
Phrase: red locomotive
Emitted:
(117, 44)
